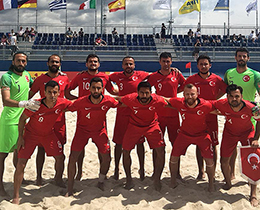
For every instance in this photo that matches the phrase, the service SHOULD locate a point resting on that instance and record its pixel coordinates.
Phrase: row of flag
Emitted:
(187, 7)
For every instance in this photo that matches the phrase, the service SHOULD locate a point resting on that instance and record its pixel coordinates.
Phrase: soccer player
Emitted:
(82, 81)
(15, 86)
(248, 79)
(167, 82)
(127, 82)
(238, 127)
(143, 122)
(91, 123)
(54, 64)
(193, 130)
(210, 87)
(39, 131)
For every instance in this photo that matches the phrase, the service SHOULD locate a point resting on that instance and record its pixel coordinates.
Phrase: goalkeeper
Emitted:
(15, 86)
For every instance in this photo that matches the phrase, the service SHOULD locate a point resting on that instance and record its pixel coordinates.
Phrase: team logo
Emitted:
(244, 116)
(27, 78)
(104, 107)
(246, 78)
(151, 108)
(57, 111)
(199, 112)
(134, 78)
(61, 82)
(173, 79)
(212, 83)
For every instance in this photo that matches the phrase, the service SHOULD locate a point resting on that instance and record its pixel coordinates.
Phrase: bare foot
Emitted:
(60, 183)
(201, 176)
(16, 201)
(141, 173)
(68, 194)
(157, 185)
(254, 202)
(226, 186)
(129, 185)
(116, 174)
(101, 185)
(39, 181)
(78, 177)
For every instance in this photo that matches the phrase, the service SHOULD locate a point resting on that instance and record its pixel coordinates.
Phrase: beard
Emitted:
(19, 69)
(144, 100)
(128, 70)
(96, 96)
(234, 103)
(242, 64)
(53, 69)
(204, 72)
(190, 101)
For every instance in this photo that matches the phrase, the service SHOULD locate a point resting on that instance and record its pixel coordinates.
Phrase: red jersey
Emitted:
(208, 88)
(82, 81)
(143, 115)
(92, 117)
(193, 119)
(42, 121)
(167, 86)
(39, 83)
(127, 85)
(239, 122)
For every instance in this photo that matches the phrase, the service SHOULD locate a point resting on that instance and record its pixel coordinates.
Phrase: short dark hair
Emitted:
(128, 57)
(52, 84)
(234, 87)
(242, 49)
(20, 52)
(144, 84)
(203, 57)
(165, 55)
(189, 86)
(96, 79)
(54, 55)
(92, 56)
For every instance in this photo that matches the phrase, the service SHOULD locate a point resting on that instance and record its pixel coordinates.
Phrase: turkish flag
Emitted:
(249, 161)
(188, 65)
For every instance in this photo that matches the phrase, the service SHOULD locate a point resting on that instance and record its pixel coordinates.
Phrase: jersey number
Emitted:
(86, 85)
(121, 86)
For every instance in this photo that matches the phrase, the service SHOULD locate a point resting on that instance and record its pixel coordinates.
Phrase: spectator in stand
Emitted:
(163, 32)
(100, 42)
(196, 50)
(32, 34)
(69, 33)
(217, 39)
(190, 33)
(234, 39)
(4, 41)
(252, 36)
(75, 34)
(206, 40)
(26, 34)
(20, 33)
(197, 33)
(13, 43)
(81, 32)
(115, 33)
(240, 38)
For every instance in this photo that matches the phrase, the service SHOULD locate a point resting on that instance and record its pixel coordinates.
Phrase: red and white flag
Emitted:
(249, 161)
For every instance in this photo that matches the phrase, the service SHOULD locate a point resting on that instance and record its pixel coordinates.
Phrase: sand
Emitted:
(188, 195)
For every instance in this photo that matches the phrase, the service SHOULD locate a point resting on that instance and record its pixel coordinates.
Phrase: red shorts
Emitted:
(82, 136)
(120, 129)
(172, 124)
(133, 134)
(50, 143)
(183, 141)
(60, 131)
(229, 142)
(213, 129)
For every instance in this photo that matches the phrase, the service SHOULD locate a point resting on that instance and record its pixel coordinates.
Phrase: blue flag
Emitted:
(57, 4)
(222, 5)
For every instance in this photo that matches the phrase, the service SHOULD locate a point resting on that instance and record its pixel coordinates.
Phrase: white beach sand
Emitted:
(191, 195)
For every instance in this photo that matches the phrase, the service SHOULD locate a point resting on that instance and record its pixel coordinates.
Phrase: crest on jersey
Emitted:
(246, 78)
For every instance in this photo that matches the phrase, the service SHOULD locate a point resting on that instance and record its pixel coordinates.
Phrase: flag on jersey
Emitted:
(162, 4)
(251, 6)
(27, 3)
(249, 162)
(190, 6)
(89, 4)
(222, 5)
(58, 4)
(116, 5)
(8, 4)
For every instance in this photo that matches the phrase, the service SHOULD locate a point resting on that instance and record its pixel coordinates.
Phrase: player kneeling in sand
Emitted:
(39, 131)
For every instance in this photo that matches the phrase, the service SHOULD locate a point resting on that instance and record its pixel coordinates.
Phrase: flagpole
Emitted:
(36, 18)
(256, 12)
(18, 19)
(199, 25)
(228, 19)
(125, 19)
(66, 18)
(101, 21)
(95, 20)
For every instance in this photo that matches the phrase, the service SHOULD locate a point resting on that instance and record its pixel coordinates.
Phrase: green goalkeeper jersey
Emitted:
(249, 80)
(19, 91)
